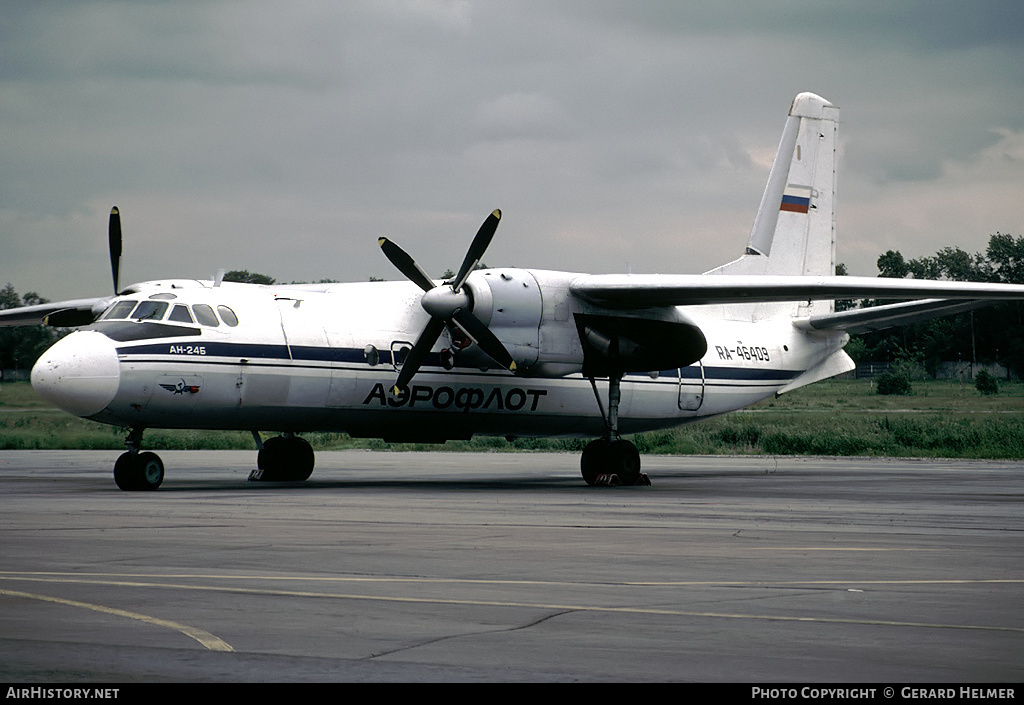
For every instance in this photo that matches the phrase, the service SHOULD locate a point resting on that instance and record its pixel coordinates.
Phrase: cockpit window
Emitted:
(205, 315)
(149, 311)
(119, 310)
(180, 314)
(227, 315)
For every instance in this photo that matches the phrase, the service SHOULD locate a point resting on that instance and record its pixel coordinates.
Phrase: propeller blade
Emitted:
(418, 354)
(445, 303)
(477, 249)
(114, 238)
(487, 341)
(405, 264)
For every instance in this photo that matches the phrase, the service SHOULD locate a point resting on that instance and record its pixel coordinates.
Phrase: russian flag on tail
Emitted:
(796, 199)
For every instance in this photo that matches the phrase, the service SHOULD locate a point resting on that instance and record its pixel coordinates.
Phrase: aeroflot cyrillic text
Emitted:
(463, 398)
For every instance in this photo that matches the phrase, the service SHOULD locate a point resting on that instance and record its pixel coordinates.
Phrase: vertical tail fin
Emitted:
(794, 231)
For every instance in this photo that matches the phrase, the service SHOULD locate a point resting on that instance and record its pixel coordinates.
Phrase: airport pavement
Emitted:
(506, 567)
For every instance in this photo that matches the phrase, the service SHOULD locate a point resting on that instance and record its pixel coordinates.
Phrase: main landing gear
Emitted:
(285, 458)
(611, 460)
(138, 471)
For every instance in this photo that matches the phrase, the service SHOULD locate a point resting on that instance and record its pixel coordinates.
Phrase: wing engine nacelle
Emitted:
(550, 333)
(510, 303)
(617, 344)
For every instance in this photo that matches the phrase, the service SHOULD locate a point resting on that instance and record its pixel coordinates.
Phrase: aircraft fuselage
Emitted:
(325, 358)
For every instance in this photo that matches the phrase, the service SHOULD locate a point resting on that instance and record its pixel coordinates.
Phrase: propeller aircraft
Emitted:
(505, 352)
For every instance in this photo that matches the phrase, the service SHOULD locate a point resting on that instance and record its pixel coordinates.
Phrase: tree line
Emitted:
(990, 334)
(21, 346)
(985, 335)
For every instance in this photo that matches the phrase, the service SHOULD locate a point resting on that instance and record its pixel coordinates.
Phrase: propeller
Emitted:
(447, 302)
(85, 311)
(114, 237)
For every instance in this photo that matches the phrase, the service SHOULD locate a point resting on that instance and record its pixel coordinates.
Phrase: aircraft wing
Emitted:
(77, 312)
(638, 291)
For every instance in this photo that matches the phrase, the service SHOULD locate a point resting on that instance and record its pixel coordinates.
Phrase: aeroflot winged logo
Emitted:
(181, 387)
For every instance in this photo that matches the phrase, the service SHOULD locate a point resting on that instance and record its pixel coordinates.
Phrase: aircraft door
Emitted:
(400, 350)
(314, 385)
(691, 387)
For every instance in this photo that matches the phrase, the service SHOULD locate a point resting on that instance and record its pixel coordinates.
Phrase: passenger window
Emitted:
(180, 314)
(119, 310)
(205, 315)
(149, 311)
(227, 315)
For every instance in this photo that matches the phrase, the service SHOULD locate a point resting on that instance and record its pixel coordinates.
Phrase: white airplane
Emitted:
(506, 352)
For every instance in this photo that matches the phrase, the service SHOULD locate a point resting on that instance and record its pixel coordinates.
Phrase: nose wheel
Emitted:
(135, 471)
(138, 471)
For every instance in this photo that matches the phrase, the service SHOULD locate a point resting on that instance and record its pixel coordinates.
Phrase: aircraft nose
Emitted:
(79, 373)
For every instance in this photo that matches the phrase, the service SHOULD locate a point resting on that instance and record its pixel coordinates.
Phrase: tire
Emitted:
(303, 459)
(624, 459)
(123, 475)
(285, 459)
(150, 471)
(138, 471)
(594, 461)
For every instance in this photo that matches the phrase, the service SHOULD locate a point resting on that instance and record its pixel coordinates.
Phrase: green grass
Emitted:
(836, 417)
(928, 395)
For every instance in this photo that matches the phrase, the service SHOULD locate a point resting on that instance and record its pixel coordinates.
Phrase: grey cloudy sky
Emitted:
(286, 137)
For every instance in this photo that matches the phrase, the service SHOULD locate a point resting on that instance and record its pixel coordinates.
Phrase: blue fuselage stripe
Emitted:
(215, 352)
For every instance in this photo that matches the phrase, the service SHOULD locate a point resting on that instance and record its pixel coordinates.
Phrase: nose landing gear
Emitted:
(135, 471)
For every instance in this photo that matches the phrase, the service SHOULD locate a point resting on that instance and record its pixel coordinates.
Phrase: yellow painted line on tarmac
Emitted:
(812, 583)
(203, 637)
(555, 606)
(126, 580)
(840, 548)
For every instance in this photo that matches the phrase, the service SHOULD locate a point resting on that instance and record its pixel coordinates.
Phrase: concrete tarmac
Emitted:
(506, 567)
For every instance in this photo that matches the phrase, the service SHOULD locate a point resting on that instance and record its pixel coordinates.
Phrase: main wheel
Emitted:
(602, 457)
(284, 459)
(624, 459)
(594, 461)
(302, 459)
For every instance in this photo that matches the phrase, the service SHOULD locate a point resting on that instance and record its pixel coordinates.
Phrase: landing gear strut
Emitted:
(611, 460)
(285, 458)
(138, 471)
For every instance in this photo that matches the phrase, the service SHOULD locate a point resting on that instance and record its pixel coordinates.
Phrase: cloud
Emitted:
(286, 139)
(968, 201)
